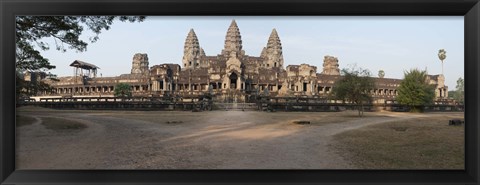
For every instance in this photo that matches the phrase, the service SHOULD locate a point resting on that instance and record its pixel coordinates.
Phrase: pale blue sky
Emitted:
(394, 44)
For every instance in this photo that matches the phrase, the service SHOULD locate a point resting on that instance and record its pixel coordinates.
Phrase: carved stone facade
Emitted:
(140, 64)
(439, 81)
(232, 75)
(233, 41)
(330, 66)
(273, 52)
(192, 51)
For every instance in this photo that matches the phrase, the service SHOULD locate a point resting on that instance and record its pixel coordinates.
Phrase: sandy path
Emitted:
(215, 140)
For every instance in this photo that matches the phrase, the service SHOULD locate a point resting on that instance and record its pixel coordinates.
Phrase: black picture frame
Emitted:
(470, 9)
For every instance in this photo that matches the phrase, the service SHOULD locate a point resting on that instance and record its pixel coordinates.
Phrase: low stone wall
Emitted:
(115, 105)
(158, 104)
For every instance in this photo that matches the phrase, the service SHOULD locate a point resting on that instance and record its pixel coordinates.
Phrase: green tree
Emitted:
(354, 86)
(123, 90)
(459, 93)
(414, 91)
(450, 94)
(32, 32)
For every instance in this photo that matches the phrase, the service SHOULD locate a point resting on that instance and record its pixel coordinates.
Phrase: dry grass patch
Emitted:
(329, 120)
(32, 109)
(168, 117)
(60, 124)
(43, 110)
(24, 120)
(340, 117)
(420, 143)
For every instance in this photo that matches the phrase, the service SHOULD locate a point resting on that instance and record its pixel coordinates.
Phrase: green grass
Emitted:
(422, 143)
(60, 124)
(24, 120)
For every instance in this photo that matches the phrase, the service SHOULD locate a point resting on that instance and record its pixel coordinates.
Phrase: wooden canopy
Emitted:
(83, 65)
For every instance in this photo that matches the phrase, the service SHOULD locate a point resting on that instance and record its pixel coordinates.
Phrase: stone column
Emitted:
(164, 86)
(227, 83)
(311, 87)
(238, 83)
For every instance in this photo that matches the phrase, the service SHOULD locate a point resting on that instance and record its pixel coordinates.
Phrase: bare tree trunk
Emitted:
(362, 109)
(358, 108)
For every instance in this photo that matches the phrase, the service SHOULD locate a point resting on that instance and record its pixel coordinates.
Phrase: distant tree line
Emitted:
(414, 91)
(65, 32)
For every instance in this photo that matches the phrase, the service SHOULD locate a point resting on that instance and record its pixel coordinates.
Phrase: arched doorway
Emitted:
(233, 81)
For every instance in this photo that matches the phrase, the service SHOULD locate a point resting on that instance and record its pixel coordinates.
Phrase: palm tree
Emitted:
(442, 54)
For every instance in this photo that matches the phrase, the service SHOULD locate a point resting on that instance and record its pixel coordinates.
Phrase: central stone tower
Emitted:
(233, 41)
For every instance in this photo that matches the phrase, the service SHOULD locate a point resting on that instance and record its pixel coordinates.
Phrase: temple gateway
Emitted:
(231, 76)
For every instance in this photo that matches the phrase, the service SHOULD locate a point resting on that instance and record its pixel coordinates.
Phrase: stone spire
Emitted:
(273, 53)
(330, 66)
(264, 52)
(202, 52)
(233, 41)
(140, 64)
(192, 51)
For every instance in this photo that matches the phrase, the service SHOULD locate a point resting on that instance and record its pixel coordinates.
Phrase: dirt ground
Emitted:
(189, 140)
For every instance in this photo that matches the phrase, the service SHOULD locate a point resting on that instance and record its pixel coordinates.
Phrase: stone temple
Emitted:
(230, 76)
